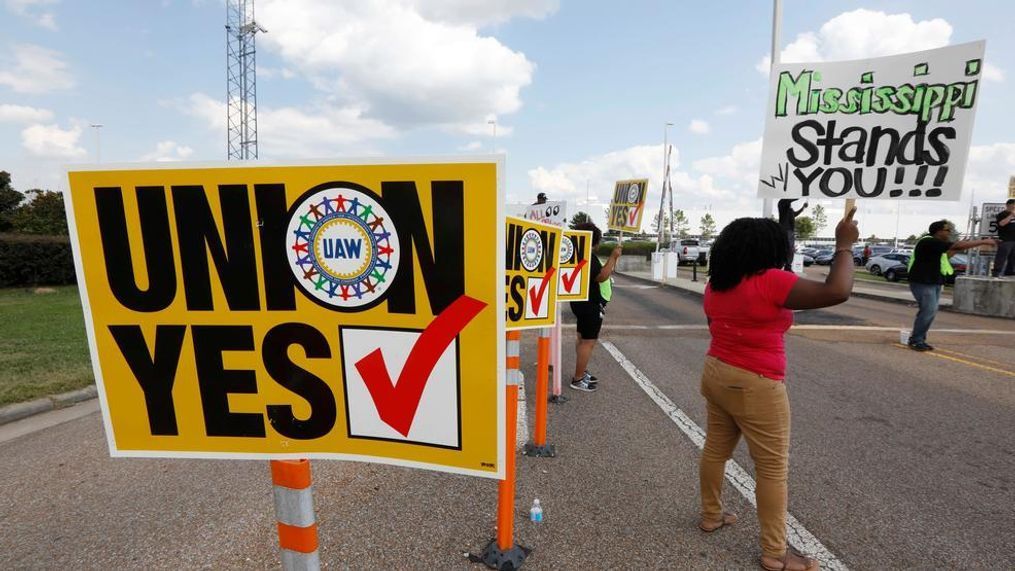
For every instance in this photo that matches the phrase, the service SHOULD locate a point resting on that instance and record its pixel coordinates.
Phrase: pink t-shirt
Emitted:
(749, 321)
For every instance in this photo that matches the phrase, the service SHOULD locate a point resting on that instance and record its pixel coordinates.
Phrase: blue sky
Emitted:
(580, 91)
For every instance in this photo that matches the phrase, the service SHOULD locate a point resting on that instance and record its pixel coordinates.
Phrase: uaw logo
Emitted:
(342, 247)
(531, 251)
(633, 192)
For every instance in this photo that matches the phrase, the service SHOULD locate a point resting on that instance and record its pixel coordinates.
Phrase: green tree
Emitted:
(42, 213)
(681, 223)
(872, 238)
(819, 217)
(9, 201)
(579, 218)
(804, 228)
(912, 238)
(707, 226)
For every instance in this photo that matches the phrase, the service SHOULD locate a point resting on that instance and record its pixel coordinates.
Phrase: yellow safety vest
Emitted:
(946, 265)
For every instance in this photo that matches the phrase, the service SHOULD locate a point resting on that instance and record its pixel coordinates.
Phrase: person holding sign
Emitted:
(749, 301)
(1004, 261)
(590, 313)
(787, 219)
(928, 267)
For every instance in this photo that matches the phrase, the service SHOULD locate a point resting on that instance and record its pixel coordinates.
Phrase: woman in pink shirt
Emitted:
(749, 301)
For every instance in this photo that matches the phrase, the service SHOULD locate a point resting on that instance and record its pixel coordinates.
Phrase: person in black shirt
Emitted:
(1004, 261)
(787, 219)
(590, 313)
(927, 274)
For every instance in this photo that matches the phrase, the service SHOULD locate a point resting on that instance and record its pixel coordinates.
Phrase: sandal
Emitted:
(727, 519)
(800, 561)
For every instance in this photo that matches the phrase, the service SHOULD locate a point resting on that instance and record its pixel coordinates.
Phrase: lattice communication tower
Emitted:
(241, 79)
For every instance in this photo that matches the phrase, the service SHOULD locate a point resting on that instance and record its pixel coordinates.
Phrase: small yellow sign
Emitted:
(575, 265)
(628, 205)
(343, 311)
(532, 261)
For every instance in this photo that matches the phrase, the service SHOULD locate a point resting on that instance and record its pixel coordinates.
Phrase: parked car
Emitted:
(824, 257)
(959, 262)
(808, 260)
(877, 264)
(691, 250)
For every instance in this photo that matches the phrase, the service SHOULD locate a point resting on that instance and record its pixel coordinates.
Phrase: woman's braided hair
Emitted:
(747, 246)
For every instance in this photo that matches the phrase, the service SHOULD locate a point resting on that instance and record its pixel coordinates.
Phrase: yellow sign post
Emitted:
(343, 311)
(628, 205)
(532, 261)
(575, 265)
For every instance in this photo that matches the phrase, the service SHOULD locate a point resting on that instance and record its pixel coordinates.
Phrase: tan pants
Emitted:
(742, 402)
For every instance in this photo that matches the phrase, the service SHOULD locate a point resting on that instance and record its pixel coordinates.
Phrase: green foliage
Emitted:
(805, 228)
(28, 260)
(707, 226)
(631, 248)
(681, 223)
(9, 201)
(579, 218)
(43, 213)
(820, 218)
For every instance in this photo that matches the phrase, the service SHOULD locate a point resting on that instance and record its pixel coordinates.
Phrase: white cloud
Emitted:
(35, 69)
(471, 146)
(484, 12)
(992, 73)
(34, 10)
(727, 110)
(52, 142)
(291, 132)
(23, 114)
(699, 127)
(168, 151)
(865, 33)
(404, 63)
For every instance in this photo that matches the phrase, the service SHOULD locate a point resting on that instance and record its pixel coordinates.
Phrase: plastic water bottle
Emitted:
(536, 513)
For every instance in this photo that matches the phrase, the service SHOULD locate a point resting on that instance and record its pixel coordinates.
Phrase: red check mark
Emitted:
(536, 298)
(570, 279)
(634, 214)
(397, 404)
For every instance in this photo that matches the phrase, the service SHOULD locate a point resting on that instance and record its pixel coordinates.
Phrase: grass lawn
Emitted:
(43, 349)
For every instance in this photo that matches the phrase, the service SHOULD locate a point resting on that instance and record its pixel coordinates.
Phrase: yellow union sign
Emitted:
(532, 261)
(346, 311)
(628, 205)
(575, 265)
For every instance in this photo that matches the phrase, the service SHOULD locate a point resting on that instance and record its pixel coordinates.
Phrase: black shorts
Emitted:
(590, 318)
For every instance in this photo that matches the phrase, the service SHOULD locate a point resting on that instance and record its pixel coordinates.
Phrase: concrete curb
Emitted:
(18, 411)
(651, 281)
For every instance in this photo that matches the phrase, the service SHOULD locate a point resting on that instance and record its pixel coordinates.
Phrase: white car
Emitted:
(878, 264)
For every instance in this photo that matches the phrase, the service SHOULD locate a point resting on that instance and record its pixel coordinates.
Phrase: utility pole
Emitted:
(98, 141)
(241, 79)
(766, 205)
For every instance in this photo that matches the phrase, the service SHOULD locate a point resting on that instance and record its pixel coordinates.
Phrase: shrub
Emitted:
(632, 248)
(35, 260)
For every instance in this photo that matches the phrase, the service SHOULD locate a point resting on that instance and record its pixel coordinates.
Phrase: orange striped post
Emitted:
(538, 446)
(502, 552)
(294, 512)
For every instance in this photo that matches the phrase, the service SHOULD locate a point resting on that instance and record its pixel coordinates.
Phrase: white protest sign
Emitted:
(552, 212)
(895, 127)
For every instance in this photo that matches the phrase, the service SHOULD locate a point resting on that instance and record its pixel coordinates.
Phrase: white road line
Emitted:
(702, 327)
(798, 536)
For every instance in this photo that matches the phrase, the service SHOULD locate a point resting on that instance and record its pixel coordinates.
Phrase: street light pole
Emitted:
(493, 123)
(766, 208)
(662, 192)
(98, 141)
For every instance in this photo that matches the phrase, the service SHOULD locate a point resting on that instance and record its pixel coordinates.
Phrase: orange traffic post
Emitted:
(294, 512)
(502, 552)
(538, 446)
